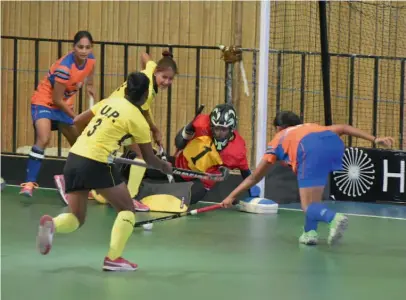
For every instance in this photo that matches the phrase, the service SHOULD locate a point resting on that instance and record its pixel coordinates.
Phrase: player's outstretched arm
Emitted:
(156, 133)
(355, 132)
(248, 182)
(151, 159)
(145, 57)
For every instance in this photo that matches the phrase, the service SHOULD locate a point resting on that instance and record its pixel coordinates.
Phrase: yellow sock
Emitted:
(134, 179)
(122, 229)
(66, 223)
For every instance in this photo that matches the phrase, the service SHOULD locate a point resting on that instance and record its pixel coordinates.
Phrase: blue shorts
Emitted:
(55, 115)
(318, 155)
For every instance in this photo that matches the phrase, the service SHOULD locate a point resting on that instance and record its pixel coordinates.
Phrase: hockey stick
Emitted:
(179, 215)
(199, 111)
(91, 101)
(182, 172)
(162, 153)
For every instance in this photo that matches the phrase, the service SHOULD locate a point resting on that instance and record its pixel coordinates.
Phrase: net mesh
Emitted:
(293, 75)
(371, 29)
(367, 44)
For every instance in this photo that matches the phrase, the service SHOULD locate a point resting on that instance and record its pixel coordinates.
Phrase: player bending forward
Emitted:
(211, 141)
(161, 76)
(312, 151)
(87, 168)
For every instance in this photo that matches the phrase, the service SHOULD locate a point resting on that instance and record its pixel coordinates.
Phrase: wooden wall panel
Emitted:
(354, 27)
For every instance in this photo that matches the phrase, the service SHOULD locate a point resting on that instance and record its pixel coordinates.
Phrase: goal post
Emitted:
(262, 107)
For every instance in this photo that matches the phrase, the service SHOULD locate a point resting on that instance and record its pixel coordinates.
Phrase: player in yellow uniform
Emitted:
(87, 168)
(161, 76)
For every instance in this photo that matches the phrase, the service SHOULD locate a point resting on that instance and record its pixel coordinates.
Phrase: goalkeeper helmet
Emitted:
(223, 122)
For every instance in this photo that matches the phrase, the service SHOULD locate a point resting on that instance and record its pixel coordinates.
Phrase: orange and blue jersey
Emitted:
(311, 150)
(66, 72)
(72, 76)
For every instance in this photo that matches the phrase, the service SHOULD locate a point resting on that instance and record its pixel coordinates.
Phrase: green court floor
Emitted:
(219, 255)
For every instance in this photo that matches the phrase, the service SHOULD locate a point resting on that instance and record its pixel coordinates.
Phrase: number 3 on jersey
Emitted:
(91, 131)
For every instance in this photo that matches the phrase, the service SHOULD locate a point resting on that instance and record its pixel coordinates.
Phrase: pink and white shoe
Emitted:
(45, 234)
(119, 264)
(90, 196)
(60, 186)
(138, 206)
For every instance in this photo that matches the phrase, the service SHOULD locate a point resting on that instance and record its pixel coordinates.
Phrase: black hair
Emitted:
(137, 86)
(286, 119)
(82, 34)
(167, 62)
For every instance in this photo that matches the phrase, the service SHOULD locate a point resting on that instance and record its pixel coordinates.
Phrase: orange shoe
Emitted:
(28, 188)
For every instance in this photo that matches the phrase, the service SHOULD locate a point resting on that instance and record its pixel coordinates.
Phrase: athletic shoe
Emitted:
(309, 238)
(45, 234)
(28, 188)
(59, 181)
(138, 206)
(90, 196)
(337, 227)
(118, 264)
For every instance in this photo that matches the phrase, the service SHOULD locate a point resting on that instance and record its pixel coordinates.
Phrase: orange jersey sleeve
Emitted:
(271, 151)
(61, 74)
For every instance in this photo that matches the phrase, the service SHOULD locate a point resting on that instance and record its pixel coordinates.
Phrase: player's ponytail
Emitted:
(137, 88)
(285, 119)
(167, 62)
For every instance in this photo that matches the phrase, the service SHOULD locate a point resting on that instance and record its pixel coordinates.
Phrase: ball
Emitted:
(147, 226)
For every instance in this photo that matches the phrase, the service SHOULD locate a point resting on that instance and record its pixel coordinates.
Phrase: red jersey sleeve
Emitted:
(202, 125)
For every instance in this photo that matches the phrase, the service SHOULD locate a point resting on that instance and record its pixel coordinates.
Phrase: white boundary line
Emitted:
(281, 208)
(355, 215)
(347, 214)
(40, 188)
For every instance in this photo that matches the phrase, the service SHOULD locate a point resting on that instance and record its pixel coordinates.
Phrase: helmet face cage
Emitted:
(223, 115)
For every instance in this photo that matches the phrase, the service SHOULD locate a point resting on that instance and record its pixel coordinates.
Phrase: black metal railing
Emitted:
(300, 92)
(101, 73)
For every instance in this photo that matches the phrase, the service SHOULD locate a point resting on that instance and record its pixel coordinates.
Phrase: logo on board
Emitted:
(357, 175)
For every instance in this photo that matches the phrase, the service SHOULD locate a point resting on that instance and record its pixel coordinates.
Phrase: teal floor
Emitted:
(223, 254)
